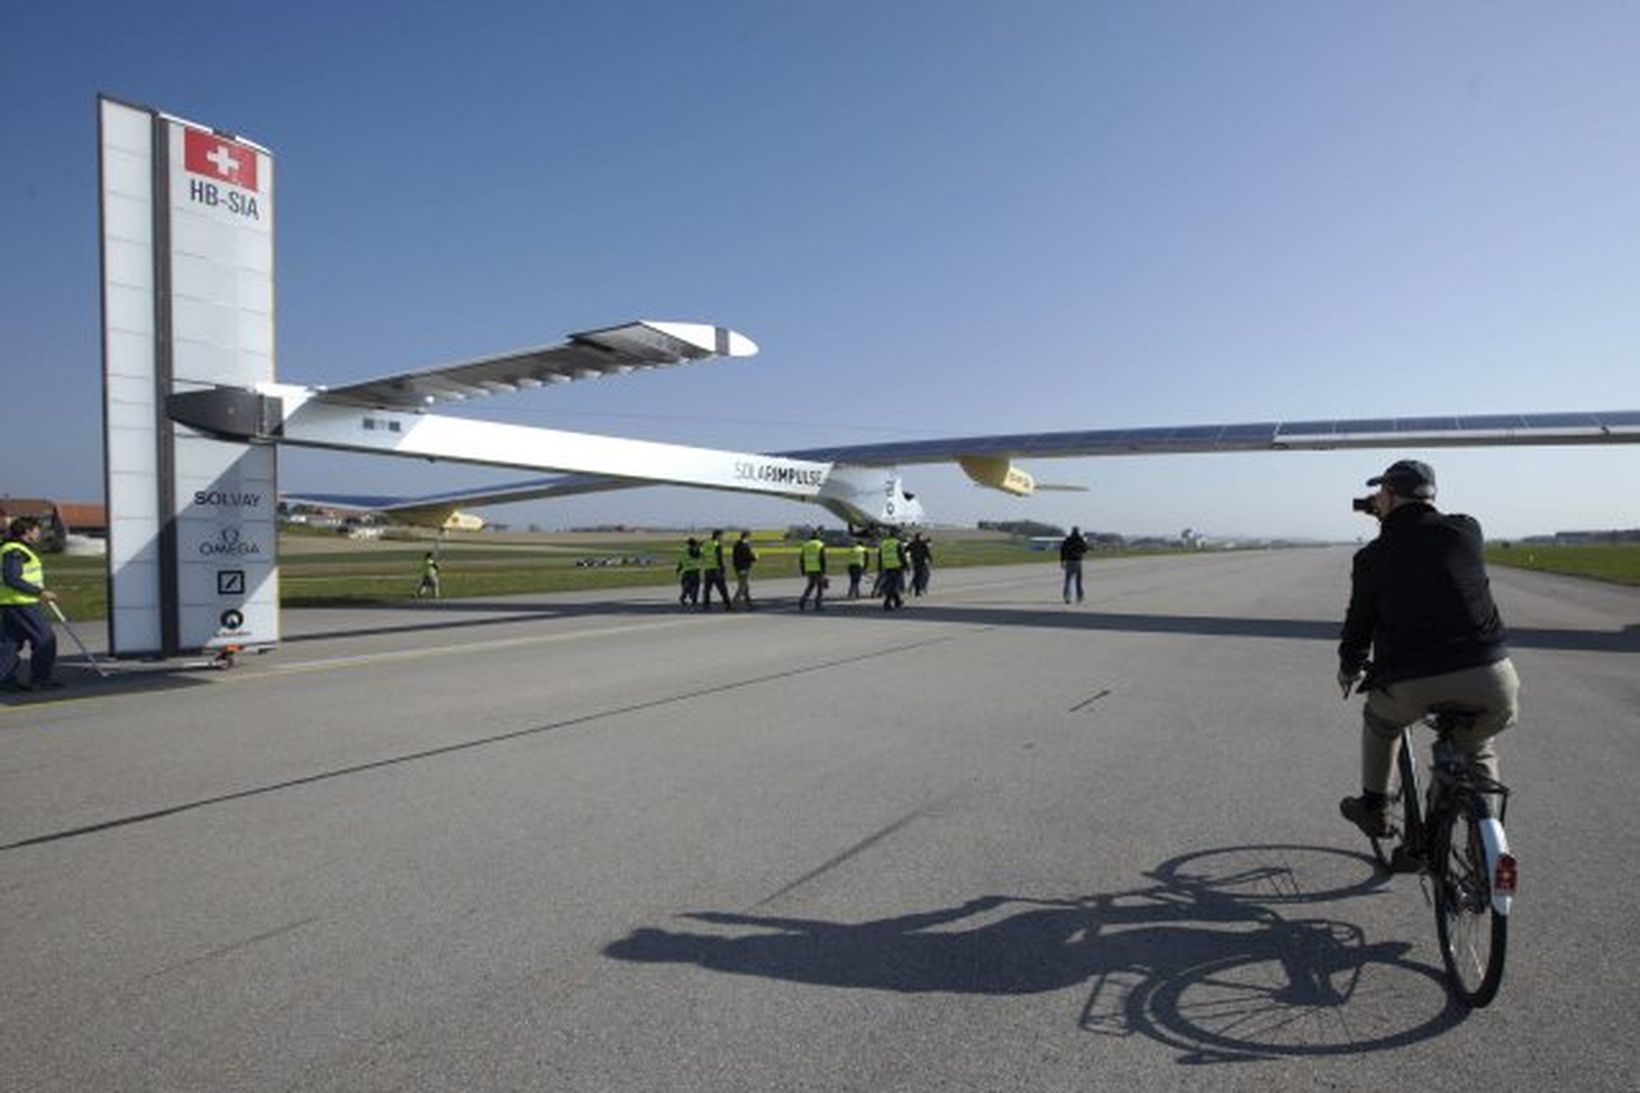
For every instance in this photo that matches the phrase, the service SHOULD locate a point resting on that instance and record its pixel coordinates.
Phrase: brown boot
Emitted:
(1371, 817)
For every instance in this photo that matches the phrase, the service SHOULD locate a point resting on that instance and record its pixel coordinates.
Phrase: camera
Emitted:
(1367, 504)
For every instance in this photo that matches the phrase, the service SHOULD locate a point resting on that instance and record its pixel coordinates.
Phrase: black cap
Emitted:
(1407, 478)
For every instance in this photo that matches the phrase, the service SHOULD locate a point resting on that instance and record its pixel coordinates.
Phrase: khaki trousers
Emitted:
(1491, 689)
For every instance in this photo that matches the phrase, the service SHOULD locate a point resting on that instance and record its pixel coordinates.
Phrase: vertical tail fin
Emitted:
(187, 301)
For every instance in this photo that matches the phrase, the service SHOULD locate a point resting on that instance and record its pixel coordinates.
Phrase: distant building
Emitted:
(62, 520)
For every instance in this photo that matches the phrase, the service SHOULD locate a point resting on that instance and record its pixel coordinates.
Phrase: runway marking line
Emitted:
(858, 848)
(214, 678)
(463, 745)
(1090, 700)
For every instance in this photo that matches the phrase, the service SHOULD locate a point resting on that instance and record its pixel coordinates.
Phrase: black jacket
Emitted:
(1420, 601)
(1073, 548)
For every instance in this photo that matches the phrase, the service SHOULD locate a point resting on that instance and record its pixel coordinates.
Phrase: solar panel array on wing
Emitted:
(615, 350)
(1439, 431)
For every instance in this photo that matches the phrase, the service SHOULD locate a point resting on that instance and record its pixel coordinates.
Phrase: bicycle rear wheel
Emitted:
(1474, 936)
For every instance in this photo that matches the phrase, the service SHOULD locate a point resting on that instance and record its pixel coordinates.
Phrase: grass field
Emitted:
(1615, 562)
(327, 571)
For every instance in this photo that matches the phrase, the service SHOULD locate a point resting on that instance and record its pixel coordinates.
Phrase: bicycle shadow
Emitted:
(1201, 960)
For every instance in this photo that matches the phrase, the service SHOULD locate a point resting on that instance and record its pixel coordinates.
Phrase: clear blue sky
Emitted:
(935, 218)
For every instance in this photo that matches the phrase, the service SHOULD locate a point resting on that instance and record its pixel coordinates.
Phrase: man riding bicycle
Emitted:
(1421, 607)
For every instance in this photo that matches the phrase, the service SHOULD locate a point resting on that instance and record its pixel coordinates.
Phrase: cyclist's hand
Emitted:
(1347, 680)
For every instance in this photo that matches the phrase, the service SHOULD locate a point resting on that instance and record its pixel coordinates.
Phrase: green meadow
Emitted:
(1615, 562)
(320, 571)
(329, 570)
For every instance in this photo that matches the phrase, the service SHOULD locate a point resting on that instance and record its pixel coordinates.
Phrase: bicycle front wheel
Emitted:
(1473, 934)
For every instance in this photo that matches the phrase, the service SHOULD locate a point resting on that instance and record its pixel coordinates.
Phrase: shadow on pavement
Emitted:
(80, 680)
(1204, 960)
(431, 616)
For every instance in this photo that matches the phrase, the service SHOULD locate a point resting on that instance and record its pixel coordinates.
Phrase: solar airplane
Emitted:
(862, 484)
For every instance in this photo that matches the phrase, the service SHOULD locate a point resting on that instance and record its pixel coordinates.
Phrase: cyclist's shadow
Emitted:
(1201, 962)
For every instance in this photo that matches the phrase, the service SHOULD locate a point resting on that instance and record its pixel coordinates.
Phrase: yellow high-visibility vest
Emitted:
(33, 572)
(890, 556)
(814, 553)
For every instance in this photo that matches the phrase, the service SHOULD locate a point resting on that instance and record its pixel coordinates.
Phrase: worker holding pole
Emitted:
(22, 591)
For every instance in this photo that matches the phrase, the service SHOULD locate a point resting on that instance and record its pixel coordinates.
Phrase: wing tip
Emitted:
(716, 340)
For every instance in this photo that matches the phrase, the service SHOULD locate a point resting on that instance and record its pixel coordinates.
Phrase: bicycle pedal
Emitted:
(1404, 861)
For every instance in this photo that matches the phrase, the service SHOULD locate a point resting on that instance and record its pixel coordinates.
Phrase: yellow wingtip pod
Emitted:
(997, 473)
(438, 517)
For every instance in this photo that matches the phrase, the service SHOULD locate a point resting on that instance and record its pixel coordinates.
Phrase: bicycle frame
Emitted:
(1452, 780)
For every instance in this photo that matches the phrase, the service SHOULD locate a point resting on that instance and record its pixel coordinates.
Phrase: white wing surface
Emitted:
(1596, 427)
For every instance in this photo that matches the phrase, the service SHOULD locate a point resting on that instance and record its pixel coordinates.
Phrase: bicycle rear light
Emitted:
(1503, 877)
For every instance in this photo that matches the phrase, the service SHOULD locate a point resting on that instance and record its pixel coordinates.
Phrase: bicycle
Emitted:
(1450, 836)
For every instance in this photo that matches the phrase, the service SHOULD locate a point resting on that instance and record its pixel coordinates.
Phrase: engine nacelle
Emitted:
(998, 473)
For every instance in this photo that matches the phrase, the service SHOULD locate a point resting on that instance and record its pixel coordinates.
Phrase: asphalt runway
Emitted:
(593, 842)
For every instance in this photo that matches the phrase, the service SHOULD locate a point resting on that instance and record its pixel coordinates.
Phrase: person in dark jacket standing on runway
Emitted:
(744, 558)
(921, 556)
(1071, 551)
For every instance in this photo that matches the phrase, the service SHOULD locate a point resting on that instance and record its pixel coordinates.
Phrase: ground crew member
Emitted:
(811, 562)
(856, 568)
(922, 560)
(744, 557)
(713, 550)
(429, 576)
(22, 591)
(891, 565)
(690, 560)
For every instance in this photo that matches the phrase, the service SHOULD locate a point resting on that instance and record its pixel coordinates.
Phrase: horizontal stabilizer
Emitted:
(426, 508)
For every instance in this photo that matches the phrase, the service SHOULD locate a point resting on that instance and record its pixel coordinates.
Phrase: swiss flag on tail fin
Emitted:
(219, 158)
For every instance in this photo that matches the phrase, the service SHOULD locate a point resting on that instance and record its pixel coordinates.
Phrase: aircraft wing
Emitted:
(988, 460)
(560, 485)
(1596, 427)
(614, 350)
(431, 510)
